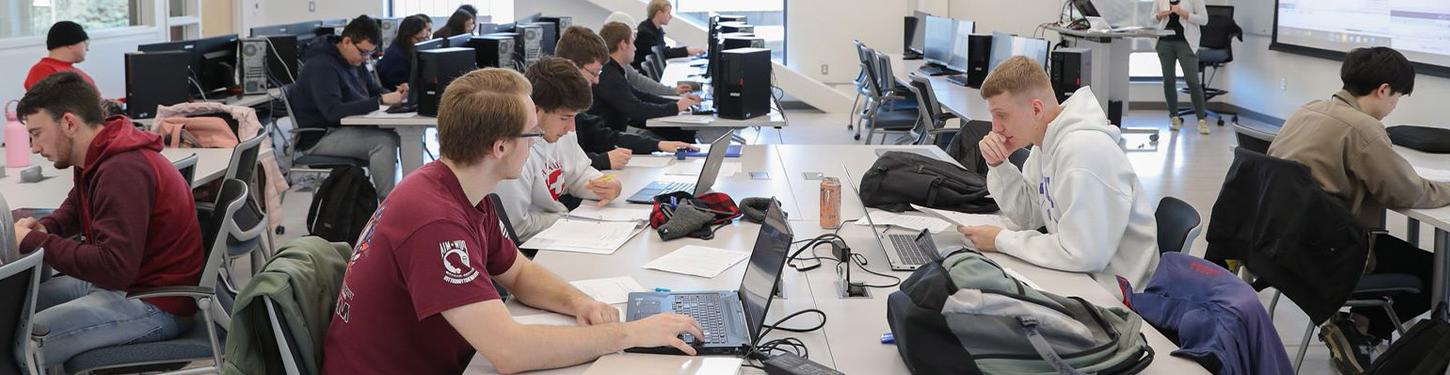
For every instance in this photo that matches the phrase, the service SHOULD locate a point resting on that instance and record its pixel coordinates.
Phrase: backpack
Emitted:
(965, 315)
(1419, 352)
(963, 147)
(1421, 138)
(899, 179)
(342, 206)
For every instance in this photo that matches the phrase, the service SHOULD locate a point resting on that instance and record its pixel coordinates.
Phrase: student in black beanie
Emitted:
(68, 43)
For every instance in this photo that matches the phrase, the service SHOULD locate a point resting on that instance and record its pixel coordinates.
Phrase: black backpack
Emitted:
(1421, 351)
(1421, 138)
(900, 179)
(342, 206)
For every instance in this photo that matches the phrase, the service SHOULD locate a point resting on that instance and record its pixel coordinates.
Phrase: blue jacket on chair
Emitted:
(1214, 316)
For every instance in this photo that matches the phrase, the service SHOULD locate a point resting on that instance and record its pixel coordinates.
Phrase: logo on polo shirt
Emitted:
(456, 267)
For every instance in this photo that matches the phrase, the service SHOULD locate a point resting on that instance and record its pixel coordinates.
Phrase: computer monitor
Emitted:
(413, 74)
(282, 61)
(218, 57)
(918, 32)
(940, 31)
(960, 42)
(1086, 8)
(529, 18)
(300, 28)
(1006, 45)
(457, 40)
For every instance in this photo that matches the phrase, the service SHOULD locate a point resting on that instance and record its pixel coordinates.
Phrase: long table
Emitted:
(211, 164)
(850, 339)
(410, 127)
(1439, 218)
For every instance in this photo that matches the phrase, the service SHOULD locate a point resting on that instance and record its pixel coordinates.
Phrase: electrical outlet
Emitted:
(1283, 84)
(825, 69)
(312, 6)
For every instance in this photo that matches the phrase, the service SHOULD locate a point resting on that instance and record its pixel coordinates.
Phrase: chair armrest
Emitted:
(172, 291)
(38, 331)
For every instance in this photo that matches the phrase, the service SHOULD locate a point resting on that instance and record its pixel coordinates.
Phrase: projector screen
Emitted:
(1418, 28)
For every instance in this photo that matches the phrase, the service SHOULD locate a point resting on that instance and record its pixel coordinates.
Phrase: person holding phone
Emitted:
(1183, 17)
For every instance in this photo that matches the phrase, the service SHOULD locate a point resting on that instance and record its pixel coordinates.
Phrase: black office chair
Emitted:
(19, 284)
(187, 167)
(301, 160)
(1215, 50)
(1178, 225)
(660, 61)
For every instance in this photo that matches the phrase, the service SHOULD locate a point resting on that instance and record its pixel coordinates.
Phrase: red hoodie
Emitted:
(137, 215)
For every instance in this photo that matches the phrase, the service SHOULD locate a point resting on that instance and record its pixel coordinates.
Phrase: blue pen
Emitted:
(888, 338)
(662, 290)
(674, 203)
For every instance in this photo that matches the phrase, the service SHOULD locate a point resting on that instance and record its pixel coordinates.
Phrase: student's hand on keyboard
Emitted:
(607, 188)
(591, 312)
(662, 330)
(403, 89)
(684, 88)
(672, 146)
(392, 98)
(983, 236)
(685, 102)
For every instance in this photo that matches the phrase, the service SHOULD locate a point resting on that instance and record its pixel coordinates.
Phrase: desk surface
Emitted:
(1436, 217)
(381, 117)
(850, 339)
(1147, 32)
(962, 101)
(211, 164)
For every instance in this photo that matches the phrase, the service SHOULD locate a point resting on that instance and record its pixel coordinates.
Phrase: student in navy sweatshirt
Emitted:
(397, 61)
(334, 84)
(134, 211)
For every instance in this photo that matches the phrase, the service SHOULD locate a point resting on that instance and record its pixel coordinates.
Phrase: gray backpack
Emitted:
(965, 315)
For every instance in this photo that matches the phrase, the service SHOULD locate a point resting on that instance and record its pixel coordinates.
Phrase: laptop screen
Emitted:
(767, 261)
(712, 164)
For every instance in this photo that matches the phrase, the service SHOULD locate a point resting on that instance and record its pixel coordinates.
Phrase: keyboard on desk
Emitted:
(910, 252)
(933, 70)
(707, 311)
(957, 79)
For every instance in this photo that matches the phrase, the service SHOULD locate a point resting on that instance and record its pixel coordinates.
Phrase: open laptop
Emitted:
(701, 186)
(905, 252)
(731, 320)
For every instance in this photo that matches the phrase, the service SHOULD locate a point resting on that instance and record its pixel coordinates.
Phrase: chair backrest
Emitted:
(649, 68)
(885, 80)
(873, 82)
(9, 245)
(19, 284)
(230, 232)
(930, 109)
(187, 167)
(503, 217)
(1019, 157)
(658, 51)
(1178, 225)
(286, 345)
(1253, 139)
(243, 165)
(1220, 30)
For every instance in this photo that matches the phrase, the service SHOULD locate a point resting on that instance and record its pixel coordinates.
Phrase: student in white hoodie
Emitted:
(557, 166)
(1077, 182)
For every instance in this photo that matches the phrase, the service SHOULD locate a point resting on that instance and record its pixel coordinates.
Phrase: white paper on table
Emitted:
(689, 119)
(651, 364)
(912, 222)
(966, 219)
(594, 237)
(693, 168)
(701, 261)
(648, 162)
(1021, 277)
(1433, 174)
(612, 290)
(385, 114)
(589, 210)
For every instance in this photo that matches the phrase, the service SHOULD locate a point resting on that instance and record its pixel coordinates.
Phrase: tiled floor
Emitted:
(1185, 164)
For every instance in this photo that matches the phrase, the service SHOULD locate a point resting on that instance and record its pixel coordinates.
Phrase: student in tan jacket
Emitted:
(1347, 150)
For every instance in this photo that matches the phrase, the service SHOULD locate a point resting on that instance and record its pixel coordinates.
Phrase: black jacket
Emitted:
(1288, 231)
(597, 138)
(649, 36)
(328, 89)
(620, 105)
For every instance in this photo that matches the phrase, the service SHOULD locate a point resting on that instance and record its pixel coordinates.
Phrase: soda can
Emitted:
(830, 203)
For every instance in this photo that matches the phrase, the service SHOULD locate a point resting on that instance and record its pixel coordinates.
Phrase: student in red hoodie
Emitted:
(68, 44)
(135, 212)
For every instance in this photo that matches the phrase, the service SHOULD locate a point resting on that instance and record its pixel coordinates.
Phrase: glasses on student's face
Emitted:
(364, 52)
(594, 72)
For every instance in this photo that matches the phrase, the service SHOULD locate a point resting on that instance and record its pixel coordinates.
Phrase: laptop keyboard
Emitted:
(911, 253)
(670, 187)
(707, 310)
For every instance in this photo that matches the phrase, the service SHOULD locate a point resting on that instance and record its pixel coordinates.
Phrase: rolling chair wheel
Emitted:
(858, 137)
(1220, 122)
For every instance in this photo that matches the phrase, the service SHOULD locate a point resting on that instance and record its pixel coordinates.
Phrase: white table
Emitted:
(962, 101)
(410, 127)
(1111, 51)
(850, 339)
(1439, 218)
(211, 164)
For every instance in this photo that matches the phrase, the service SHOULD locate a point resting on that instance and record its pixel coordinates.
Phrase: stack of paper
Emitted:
(594, 237)
(689, 119)
(694, 167)
(966, 219)
(648, 162)
(699, 261)
(912, 222)
(589, 210)
(1433, 174)
(611, 290)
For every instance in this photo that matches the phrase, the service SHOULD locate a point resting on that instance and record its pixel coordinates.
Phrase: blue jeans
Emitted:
(82, 317)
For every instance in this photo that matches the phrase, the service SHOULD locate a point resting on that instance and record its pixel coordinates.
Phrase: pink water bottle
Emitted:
(17, 140)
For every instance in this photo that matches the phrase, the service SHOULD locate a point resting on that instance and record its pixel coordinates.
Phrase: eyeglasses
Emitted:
(594, 72)
(530, 135)
(364, 52)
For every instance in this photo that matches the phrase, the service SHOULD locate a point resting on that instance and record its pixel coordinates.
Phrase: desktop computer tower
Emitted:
(1070, 69)
(252, 59)
(548, 37)
(493, 51)
(740, 40)
(560, 23)
(742, 88)
(155, 79)
(979, 57)
(528, 43)
(436, 69)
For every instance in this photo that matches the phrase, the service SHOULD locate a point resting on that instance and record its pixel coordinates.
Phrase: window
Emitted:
(768, 17)
(499, 10)
(23, 18)
(1145, 65)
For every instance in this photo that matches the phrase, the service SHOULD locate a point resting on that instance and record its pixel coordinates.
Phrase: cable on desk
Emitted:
(860, 260)
(763, 350)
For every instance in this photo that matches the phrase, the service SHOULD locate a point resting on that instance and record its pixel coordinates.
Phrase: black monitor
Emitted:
(918, 32)
(308, 28)
(529, 18)
(940, 32)
(212, 61)
(1086, 8)
(960, 42)
(413, 76)
(457, 40)
(485, 28)
(1006, 45)
(282, 61)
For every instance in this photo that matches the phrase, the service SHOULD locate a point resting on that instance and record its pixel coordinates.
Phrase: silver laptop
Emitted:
(708, 173)
(905, 252)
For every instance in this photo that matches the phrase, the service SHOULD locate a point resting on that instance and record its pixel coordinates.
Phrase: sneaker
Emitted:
(1203, 126)
(1175, 123)
(1348, 348)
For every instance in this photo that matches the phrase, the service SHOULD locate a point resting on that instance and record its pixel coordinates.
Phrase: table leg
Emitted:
(1412, 231)
(1439, 286)
(410, 150)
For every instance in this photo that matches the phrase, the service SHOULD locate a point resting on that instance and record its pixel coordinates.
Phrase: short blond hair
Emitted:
(656, 6)
(613, 33)
(1014, 76)
(480, 108)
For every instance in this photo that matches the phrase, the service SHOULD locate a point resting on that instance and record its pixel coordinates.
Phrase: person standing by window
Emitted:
(1183, 17)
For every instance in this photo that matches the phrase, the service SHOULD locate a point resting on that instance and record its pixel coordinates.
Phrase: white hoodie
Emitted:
(552, 170)
(1080, 185)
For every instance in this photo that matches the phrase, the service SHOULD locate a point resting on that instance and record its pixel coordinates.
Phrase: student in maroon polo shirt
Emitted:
(135, 212)
(418, 296)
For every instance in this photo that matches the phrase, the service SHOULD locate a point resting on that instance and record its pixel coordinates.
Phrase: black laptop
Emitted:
(711, 169)
(731, 320)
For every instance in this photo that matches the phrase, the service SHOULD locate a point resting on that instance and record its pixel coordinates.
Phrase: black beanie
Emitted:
(65, 33)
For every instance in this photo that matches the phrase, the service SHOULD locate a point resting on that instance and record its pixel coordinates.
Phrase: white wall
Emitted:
(584, 13)
(819, 32)
(273, 12)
